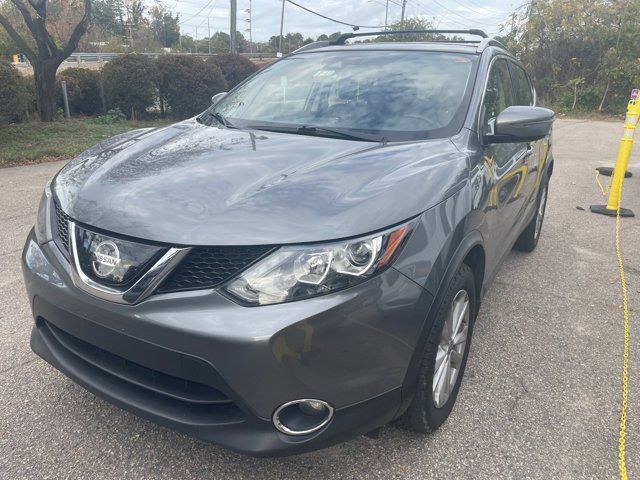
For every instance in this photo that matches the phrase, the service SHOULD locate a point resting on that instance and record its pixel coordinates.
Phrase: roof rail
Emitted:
(490, 42)
(312, 46)
(345, 36)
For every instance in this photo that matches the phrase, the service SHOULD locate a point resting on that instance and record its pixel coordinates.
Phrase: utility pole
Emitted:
(404, 6)
(130, 27)
(279, 54)
(386, 14)
(209, 34)
(234, 8)
(196, 42)
(248, 20)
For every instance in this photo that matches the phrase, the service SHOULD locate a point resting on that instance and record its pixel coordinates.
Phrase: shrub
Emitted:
(15, 95)
(187, 84)
(588, 98)
(114, 115)
(235, 68)
(129, 83)
(83, 89)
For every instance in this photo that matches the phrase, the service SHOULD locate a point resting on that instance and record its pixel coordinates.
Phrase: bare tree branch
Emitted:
(15, 36)
(26, 15)
(40, 22)
(79, 31)
(31, 25)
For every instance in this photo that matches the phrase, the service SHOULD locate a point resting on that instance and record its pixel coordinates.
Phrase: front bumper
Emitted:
(201, 364)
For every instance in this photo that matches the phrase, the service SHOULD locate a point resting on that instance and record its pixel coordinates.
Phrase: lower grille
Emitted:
(209, 267)
(169, 395)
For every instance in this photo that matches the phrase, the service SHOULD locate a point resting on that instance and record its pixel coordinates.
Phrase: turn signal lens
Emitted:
(43, 222)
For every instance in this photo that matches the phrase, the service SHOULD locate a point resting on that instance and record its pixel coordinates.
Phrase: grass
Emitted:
(37, 142)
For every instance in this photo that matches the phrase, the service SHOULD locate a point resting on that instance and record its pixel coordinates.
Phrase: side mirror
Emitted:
(521, 124)
(217, 97)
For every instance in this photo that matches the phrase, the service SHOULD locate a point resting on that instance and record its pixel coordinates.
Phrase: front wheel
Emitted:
(445, 355)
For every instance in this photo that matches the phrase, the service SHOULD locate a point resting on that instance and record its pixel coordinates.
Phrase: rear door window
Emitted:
(521, 86)
(499, 94)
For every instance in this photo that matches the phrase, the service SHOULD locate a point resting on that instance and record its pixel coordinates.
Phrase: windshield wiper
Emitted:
(323, 131)
(320, 132)
(220, 118)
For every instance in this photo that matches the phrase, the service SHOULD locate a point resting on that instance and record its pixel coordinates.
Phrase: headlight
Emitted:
(294, 273)
(43, 223)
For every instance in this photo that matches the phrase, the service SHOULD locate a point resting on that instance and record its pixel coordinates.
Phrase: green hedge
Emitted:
(235, 68)
(83, 89)
(16, 96)
(129, 82)
(186, 84)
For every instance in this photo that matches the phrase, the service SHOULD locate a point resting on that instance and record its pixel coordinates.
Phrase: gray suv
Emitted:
(304, 261)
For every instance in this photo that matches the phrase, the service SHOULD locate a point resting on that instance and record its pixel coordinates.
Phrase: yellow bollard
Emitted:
(620, 170)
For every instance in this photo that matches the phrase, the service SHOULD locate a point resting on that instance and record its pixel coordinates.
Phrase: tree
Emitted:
(220, 42)
(165, 26)
(560, 42)
(413, 23)
(107, 16)
(42, 50)
(292, 41)
(187, 43)
(135, 12)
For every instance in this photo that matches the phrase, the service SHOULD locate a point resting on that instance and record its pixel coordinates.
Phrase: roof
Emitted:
(397, 46)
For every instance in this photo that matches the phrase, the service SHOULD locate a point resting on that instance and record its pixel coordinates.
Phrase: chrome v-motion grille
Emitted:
(119, 270)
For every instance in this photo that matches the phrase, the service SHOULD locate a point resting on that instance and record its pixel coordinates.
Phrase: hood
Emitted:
(191, 184)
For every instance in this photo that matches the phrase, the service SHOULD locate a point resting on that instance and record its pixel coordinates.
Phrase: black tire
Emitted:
(423, 415)
(528, 239)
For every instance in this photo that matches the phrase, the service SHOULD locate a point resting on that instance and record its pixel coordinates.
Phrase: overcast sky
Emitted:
(483, 14)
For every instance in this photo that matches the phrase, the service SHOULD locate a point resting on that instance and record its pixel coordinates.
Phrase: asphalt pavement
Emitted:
(540, 398)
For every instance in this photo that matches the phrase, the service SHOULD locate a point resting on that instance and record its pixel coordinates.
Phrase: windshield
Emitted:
(397, 95)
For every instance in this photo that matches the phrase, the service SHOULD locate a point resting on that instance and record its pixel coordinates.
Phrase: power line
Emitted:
(199, 11)
(352, 25)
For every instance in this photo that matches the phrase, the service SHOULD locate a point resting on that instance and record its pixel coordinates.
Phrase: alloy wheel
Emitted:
(453, 341)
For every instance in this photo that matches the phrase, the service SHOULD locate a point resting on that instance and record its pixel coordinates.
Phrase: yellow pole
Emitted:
(622, 160)
(624, 152)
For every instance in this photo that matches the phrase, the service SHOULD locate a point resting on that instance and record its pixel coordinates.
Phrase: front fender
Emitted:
(438, 246)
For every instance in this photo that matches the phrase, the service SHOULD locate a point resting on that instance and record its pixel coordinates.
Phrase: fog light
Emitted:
(301, 417)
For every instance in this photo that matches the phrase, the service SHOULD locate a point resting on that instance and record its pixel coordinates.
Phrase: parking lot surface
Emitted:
(540, 398)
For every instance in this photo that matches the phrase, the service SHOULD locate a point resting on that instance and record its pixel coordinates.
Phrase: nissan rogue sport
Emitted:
(303, 262)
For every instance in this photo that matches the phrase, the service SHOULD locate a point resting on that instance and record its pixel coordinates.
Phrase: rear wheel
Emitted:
(445, 355)
(528, 239)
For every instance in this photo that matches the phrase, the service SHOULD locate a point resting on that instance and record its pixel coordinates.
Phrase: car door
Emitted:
(506, 163)
(524, 95)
